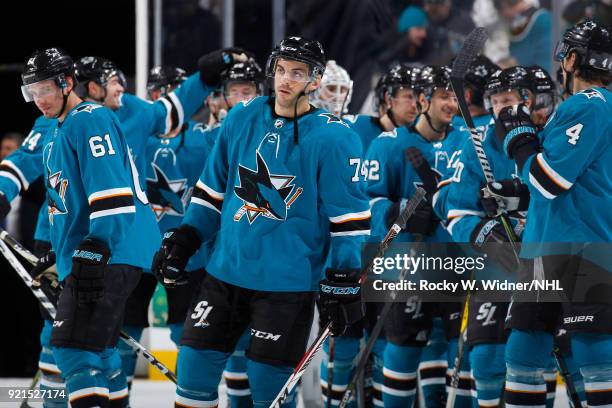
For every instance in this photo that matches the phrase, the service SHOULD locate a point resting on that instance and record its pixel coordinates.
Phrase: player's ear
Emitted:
(529, 101)
(314, 84)
(570, 61)
(69, 84)
(423, 102)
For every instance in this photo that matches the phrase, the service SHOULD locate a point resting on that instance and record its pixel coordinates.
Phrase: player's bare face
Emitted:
(290, 78)
(443, 106)
(503, 99)
(48, 97)
(114, 91)
(240, 91)
(403, 106)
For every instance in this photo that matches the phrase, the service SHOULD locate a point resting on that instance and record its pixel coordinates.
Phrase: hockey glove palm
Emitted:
(490, 238)
(88, 269)
(340, 299)
(504, 196)
(212, 65)
(518, 133)
(169, 262)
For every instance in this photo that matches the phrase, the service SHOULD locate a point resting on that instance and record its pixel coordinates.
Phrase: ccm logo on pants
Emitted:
(578, 319)
(264, 335)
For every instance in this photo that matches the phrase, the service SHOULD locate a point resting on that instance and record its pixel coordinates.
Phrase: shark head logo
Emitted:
(56, 193)
(56, 190)
(166, 196)
(263, 193)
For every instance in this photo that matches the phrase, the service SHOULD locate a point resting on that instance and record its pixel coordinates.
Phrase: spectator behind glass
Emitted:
(579, 10)
(413, 23)
(448, 27)
(10, 142)
(530, 32)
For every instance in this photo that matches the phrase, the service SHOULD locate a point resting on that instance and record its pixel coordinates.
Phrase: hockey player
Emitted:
(389, 187)
(278, 165)
(99, 221)
(472, 219)
(544, 93)
(395, 102)
(102, 81)
(163, 80)
(335, 91)
(566, 169)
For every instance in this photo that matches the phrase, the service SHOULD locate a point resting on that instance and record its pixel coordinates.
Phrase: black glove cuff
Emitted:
(522, 150)
(186, 236)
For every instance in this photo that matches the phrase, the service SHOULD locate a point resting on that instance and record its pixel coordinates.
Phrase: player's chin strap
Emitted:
(389, 114)
(569, 78)
(296, 138)
(428, 118)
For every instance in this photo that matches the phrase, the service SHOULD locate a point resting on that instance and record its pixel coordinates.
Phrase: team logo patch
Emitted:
(86, 108)
(278, 123)
(331, 118)
(167, 196)
(56, 190)
(264, 194)
(593, 93)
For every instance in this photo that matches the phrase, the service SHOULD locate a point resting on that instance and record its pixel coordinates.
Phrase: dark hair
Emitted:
(592, 75)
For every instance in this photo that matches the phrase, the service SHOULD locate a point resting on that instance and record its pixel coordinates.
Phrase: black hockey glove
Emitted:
(504, 196)
(5, 206)
(214, 63)
(41, 248)
(490, 237)
(340, 299)
(517, 133)
(44, 275)
(424, 221)
(89, 263)
(169, 262)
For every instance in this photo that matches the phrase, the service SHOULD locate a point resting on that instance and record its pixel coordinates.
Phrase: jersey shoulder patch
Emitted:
(592, 93)
(351, 119)
(88, 108)
(331, 118)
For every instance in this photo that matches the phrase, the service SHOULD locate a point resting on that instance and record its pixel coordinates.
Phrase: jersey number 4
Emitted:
(573, 133)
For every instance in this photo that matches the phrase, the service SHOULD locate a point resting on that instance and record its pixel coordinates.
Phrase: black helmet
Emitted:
(399, 76)
(298, 49)
(543, 88)
(52, 63)
(162, 77)
(477, 75)
(509, 79)
(97, 69)
(591, 41)
(243, 71)
(379, 92)
(431, 78)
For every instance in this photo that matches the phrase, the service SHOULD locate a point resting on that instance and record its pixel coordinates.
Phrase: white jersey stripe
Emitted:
(109, 193)
(210, 191)
(362, 215)
(17, 170)
(112, 211)
(204, 203)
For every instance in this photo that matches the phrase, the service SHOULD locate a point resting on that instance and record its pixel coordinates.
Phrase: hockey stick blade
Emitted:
(470, 49)
(7, 241)
(396, 228)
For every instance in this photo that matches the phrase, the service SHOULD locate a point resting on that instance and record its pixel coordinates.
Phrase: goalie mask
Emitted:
(335, 91)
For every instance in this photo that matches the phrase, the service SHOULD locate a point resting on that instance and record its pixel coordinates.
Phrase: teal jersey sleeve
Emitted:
(343, 198)
(462, 206)
(383, 181)
(208, 195)
(571, 141)
(106, 171)
(25, 165)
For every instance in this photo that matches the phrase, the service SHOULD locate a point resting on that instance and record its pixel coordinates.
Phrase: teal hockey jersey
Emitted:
(280, 207)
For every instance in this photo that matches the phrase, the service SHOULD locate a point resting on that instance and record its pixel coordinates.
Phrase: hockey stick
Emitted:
(471, 47)
(6, 239)
(454, 378)
(365, 353)
(24, 403)
(395, 229)
(330, 370)
(567, 378)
